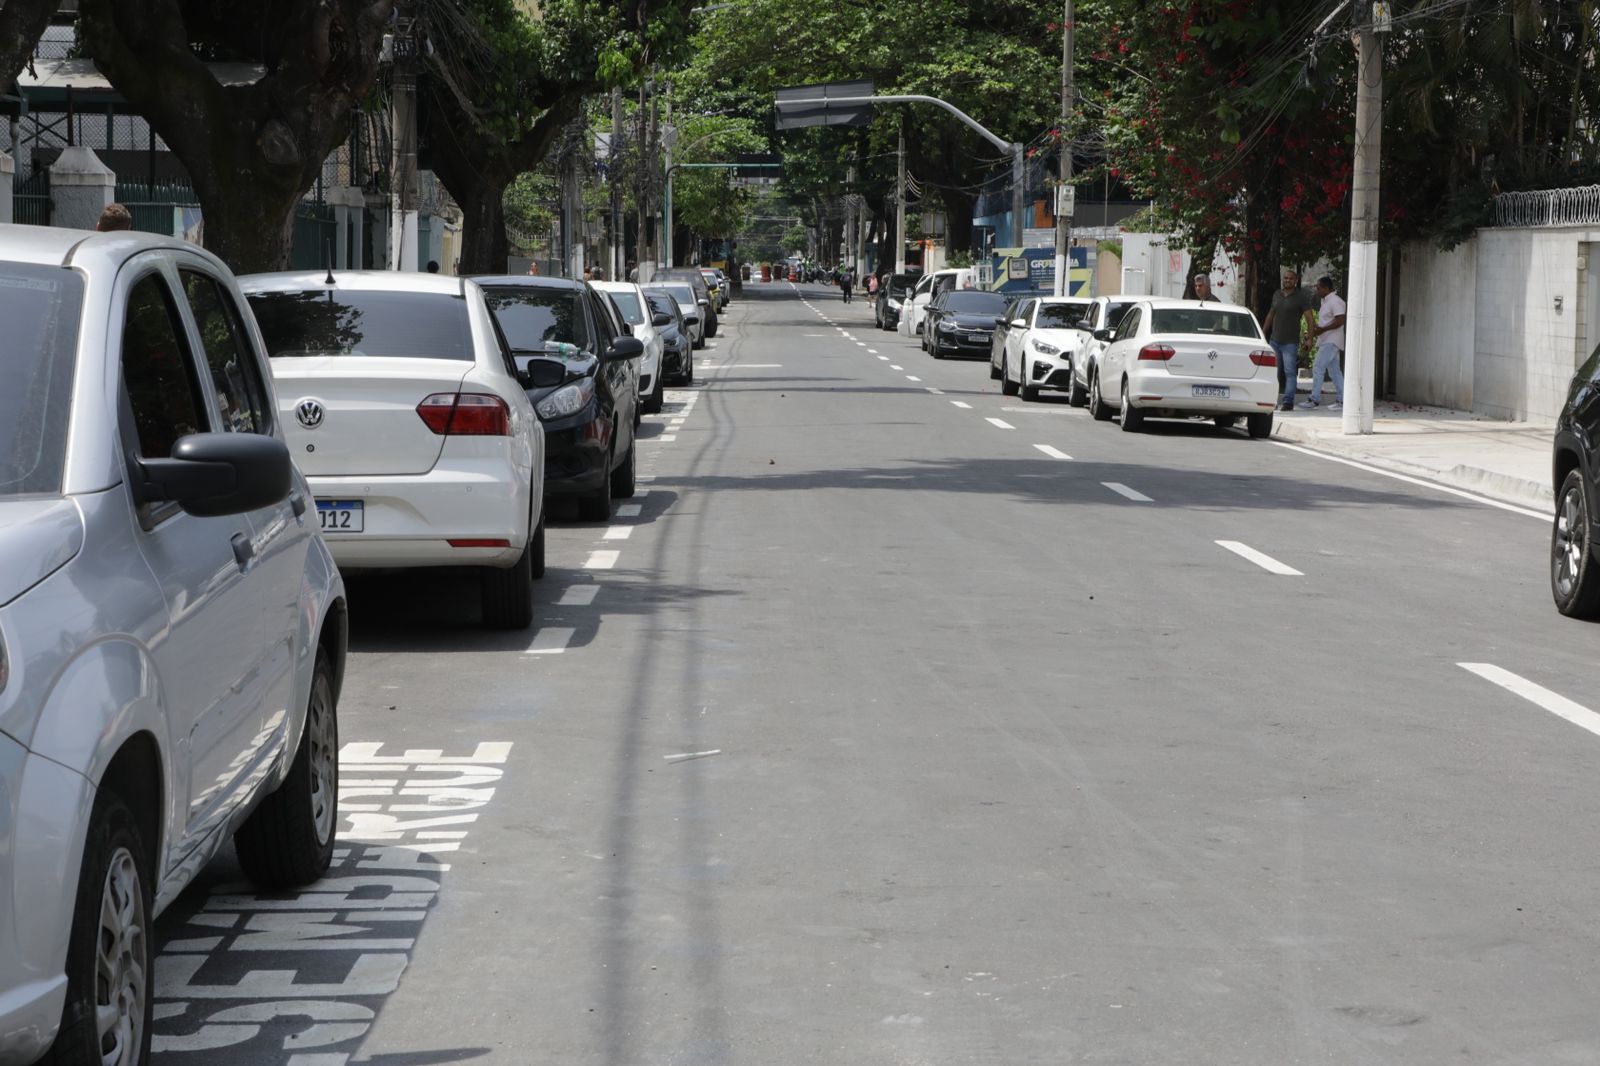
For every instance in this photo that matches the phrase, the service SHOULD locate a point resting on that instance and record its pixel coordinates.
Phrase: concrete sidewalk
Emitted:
(1507, 461)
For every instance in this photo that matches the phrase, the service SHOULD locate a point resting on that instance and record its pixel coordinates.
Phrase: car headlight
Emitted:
(894, 303)
(567, 400)
(1045, 349)
(946, 326)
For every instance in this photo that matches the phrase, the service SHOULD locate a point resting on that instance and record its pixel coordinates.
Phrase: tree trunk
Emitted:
(248, 215)
(22, 23)
(1202, 255)
(484, 247)
(957, 223)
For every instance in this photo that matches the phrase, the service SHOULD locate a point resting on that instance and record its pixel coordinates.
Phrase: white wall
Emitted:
(1436, 337)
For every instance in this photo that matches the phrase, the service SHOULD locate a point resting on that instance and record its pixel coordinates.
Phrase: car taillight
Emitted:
(466, 414)
(1264, 358)
(1157, 353)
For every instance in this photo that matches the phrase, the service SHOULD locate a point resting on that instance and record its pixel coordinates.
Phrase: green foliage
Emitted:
(705, 201)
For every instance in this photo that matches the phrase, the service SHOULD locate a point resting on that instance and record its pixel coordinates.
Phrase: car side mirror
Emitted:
(660, 318)
(212, 474)
(1017, 323)
(625, 348)
(1102, 334)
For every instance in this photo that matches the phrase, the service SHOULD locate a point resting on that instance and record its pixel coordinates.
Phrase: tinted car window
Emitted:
(157, 371)
(241, 397)
(628, 304)
(1057, 315)
(900, 284)
(533, 317)
(1115, 311)
(662, 304)
(344, 322)
(604, 323)
(1204, 320)
(681, 293)
(40, 307)
(980, 302)
(1128, 326)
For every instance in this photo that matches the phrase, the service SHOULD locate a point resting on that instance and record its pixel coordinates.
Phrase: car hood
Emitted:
(37, 538)
(972, 319)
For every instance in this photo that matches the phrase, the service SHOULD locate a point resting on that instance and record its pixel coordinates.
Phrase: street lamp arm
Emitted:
(974, 124)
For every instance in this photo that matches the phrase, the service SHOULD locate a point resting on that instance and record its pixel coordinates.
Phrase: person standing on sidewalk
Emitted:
(1290, 306)
(1329, 336)
(1202, 287)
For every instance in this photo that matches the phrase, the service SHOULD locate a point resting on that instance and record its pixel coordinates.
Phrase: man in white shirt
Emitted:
(1329, 336)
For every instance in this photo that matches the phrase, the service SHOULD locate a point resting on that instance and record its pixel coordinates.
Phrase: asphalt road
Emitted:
(1009, 758)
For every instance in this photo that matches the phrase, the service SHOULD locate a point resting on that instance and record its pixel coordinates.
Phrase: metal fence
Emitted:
(30, 200)
(1549, 207)
(158, 208)
(316, 236)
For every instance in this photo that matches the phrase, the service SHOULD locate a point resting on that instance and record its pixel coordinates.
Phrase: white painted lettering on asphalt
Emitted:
(1261, 559)
(550, 642)
(1554, 702)
(602, 560)
(1054, 453)
(617, 533)
(1123, 490)
(999, 423)
(578, 596)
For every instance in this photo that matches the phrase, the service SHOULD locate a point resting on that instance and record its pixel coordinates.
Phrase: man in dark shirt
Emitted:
(1291, 305)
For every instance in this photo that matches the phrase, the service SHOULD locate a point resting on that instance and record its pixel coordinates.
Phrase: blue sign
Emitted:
(1033, 270)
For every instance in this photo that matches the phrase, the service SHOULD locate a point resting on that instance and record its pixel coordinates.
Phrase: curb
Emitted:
(1490, 483)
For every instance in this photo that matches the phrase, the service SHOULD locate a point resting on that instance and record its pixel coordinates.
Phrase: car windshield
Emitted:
(538, 318)
(1058, 315)
(1115, 311)
(900, 284)
(40, 306)
(628, 304)
(975, 302)
(662, 304)
(1204, 320)
(683, 294)
(346, 322)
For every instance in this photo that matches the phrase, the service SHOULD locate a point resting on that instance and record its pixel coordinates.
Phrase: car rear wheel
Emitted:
(1077, 395)
(507, 594)
(288, 841)
(596, 506)
(994, 371)
(109, 976)
(622, 477)
(1099, 410)
(1259, 426)
(1574, 578)
(1132, 417)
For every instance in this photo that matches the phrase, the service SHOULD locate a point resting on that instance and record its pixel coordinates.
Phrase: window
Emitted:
(1115, 311)
(1204, 322)
(604, 324)
(241, 397)
(1057, 316)
(628, 306)
(355, 323)
(1129, 325)
(971, 301)
(40, 307)
(157, 371)
(534, 316)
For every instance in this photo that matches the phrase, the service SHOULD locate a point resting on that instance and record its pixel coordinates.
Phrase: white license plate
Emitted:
(341, 516)
(1218, 391)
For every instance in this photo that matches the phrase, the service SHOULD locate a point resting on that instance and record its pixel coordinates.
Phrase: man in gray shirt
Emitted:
(1291, 305)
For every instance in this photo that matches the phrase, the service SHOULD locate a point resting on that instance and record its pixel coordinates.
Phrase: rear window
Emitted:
(1060, 314)
(975, 301)
(628, 304)
(534, 318)
(681, 293)
(1115, 311)
(40, 307)
(333, 321)
(1204, 321)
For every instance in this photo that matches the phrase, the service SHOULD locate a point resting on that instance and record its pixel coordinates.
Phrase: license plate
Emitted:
(341, 516)
(1218, 391)
(977, 336)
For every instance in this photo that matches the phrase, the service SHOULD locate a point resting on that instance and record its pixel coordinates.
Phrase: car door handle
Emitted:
(297, 500)
(244, 552)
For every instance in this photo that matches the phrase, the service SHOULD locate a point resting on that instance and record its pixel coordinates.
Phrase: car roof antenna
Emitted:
(328, 251)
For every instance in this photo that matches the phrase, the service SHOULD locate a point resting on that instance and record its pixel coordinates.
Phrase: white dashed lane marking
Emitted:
(999, 423)
(964, 406)
(1261, 559)
(1554, 702)
(578, 596)
(1122, 490)
(629, 510)
(893, 367)
(618, 533)
(602, 560)
(550, 642)
(1054, 453)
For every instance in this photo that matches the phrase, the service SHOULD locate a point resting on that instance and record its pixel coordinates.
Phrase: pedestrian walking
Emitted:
(1290, 306)
(846, 282)
(1329, 335)
(872, 285)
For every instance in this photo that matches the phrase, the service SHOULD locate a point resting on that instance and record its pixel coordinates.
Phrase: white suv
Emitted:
(172, 629)
(405, 409)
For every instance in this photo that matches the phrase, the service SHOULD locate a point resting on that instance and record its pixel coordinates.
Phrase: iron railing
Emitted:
(30, 200)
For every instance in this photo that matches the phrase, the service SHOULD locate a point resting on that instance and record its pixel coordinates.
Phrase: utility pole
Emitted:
(1361, 295)
(1064, 191)
(850, 219)
(669, 137)
(900, 206)
(1019, 185)
(618, 270)
(403, 134)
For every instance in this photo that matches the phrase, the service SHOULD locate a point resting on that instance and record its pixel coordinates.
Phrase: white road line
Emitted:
(872, 351)
(602, 560)
(893, 367)
(665, 438)
(999, 423)
(911, 378)
(617, 533)
(578, 596)
(1424, 482)
(960, 404)
(936, 392)
(746, 366)
(1261, 559)
(640, 494)
(885, 358)
(1554, 702)
(1122, 490)
(629, 510)
(1054, 453)
(861, 344)
(550, 642)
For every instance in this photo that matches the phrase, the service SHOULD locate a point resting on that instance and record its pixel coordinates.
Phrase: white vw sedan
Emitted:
(405, 410)
(1183, 358)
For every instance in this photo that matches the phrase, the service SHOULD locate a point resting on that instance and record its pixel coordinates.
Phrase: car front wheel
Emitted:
(1574, 578)
(596, 506)
(1007, 386)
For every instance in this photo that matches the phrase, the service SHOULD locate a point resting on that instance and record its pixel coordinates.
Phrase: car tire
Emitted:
(114, 886)
(1030, 393)
(1574, 576)
(711, 327)
(1259, 426)
(507, 594)
(697, 343)
(688, 369)
(287, 841)
(1007, 386)
(1099, 410)
(1226, 421)
(652, 406)
(536, 559)
(1077, 395)
(622, 481)
(1132, 417)
(596, 506)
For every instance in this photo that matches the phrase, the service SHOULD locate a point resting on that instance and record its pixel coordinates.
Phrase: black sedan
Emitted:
(962, 322)
(677, 351)
(1574, 570)
(581, 370)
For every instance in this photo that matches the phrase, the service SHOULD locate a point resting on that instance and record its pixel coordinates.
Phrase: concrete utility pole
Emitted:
(1361, 291)
(1019, 185)
(1065, 191)
(618, 270)
(403, 134)
(900, 207)
(668, 139)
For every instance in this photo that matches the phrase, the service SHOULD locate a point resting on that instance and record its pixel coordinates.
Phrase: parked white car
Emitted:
(404, 408)
(635, 310)
(915, 308)
(1105, 312)
(1182, 358)
(1038, 346)
(172, 629)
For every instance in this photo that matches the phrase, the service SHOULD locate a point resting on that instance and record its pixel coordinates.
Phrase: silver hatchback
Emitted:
(172, 629)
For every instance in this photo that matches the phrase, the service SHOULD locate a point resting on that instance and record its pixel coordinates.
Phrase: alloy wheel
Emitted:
(324, 763)
(1568, 547)
(121, 983)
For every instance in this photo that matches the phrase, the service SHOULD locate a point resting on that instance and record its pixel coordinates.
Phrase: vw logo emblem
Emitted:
(1212, 355)
(309, 413)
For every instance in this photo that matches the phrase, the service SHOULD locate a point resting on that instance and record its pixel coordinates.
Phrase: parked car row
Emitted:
(189, 462)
